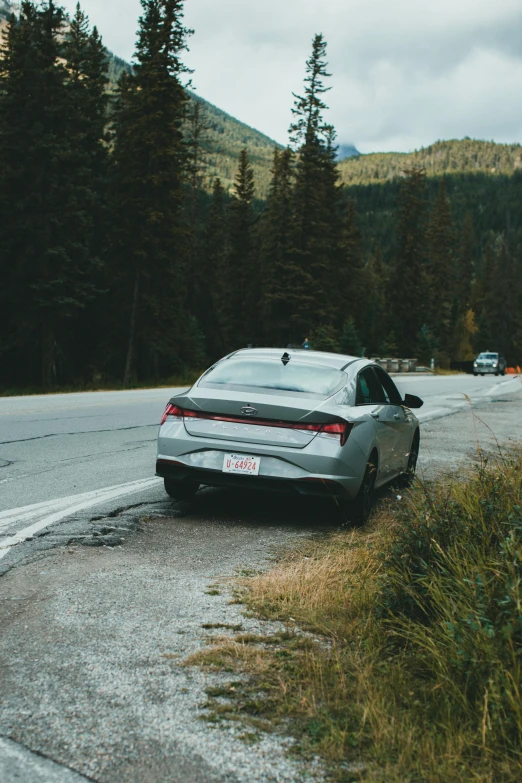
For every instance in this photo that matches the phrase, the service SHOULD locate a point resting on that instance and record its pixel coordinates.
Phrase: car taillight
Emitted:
(171, 411)
(339, 429)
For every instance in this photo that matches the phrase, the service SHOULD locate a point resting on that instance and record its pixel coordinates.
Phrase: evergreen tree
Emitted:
(239, 311)
(350, 341)
(197, 153)
(373, 319)
(149, 248)
(316, 224)
(465, 273)
(87, 80)
(348, 291)
(408, 291)
(499, 294)
(441, 269)
(196, 130)
(210, 291)
(326, 338)
(46, 231)
(279, 273)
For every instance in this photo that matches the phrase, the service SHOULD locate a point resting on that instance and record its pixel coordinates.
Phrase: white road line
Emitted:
(13, 515)
(515, 383)
(439, 413)
(72, 505)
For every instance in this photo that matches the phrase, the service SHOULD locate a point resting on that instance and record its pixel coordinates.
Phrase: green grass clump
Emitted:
(451, 599)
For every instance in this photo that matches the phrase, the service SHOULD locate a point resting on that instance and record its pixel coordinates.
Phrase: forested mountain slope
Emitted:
(223, 140)
(467, 156)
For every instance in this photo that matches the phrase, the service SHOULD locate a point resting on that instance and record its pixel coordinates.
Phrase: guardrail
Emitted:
(398, 365)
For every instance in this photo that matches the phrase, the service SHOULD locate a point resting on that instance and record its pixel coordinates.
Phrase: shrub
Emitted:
(451, 597)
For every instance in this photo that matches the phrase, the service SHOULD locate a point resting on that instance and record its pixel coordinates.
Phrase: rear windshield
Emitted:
(272, 375)
(488, 356)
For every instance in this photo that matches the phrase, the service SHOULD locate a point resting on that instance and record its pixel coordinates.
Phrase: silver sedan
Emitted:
(300, 421)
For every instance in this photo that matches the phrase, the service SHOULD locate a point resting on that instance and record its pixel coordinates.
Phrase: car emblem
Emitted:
(249, 411)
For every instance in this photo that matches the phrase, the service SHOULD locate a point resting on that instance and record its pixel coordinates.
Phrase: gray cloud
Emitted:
(404, 73)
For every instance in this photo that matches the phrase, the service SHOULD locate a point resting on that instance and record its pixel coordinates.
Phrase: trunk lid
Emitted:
(247, 426)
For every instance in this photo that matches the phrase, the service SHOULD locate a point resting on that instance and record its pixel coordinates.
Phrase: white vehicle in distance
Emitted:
(489, 363)
(306, 422)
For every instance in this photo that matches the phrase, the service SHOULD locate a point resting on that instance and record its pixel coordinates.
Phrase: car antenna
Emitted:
(285, 359)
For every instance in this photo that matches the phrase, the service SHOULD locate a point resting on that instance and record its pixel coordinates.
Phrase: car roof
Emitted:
(337, 361)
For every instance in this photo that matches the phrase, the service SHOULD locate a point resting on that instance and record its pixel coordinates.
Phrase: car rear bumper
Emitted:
(323, 467)
(215, 478)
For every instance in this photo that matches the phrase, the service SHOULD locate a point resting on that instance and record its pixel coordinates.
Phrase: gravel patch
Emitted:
(93, 645)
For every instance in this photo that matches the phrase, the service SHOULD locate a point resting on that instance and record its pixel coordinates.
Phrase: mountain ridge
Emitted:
(454, 156)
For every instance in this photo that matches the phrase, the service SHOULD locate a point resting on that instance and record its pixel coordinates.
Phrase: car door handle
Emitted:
(375, 415)
(397, 416)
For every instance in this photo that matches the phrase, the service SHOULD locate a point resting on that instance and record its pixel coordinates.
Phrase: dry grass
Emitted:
(403, 642)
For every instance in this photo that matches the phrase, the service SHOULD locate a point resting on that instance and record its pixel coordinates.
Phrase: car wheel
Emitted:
(482, 374)
(407, 478)
(180, 490)
(475, 374)
(359, 509)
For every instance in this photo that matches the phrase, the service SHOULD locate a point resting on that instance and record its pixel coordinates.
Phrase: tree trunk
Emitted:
(48, 357)
(132, 332)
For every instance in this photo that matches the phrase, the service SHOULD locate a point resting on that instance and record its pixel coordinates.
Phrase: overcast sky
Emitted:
(405, 73)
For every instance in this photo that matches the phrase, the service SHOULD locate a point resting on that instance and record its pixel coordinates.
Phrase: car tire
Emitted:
(180, 490)
(482, 374)
(407, 478)
(359, 509)
(475, 374)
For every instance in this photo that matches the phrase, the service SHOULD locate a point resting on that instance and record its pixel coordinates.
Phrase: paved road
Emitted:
(65, 454)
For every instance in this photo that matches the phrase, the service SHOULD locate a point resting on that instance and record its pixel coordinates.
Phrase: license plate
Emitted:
(240, 463)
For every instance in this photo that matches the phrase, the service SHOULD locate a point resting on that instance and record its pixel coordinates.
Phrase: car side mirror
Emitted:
(411, 401)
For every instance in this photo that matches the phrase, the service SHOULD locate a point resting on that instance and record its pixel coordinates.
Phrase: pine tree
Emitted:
(197, 128)
(210, 287)
(87, 81)
(441, 270)
(350, 341)
(498, 297)
(240, 306)
(46, 229)
(280, 276)
(408, 290)
(348, 292)
(197, 160)
(466, 257)
(316, 225)
(373, 319)
(149, 248)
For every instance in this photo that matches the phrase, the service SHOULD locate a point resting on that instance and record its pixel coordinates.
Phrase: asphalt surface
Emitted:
(100, 607)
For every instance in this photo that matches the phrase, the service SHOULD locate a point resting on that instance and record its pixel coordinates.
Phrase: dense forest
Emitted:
(125, 259)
